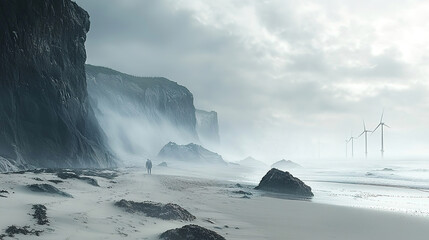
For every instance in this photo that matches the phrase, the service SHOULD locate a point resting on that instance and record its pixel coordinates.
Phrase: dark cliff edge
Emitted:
(45, 116)
(140, 114)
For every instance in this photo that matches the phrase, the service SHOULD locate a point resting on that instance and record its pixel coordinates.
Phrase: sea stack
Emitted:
(191, 153)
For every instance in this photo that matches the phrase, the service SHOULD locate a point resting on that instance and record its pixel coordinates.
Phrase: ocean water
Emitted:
(398, 186)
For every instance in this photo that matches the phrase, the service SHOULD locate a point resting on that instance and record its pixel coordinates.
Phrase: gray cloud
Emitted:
(281, 74)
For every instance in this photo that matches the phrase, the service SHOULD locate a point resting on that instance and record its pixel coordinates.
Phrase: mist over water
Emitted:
(390, 185)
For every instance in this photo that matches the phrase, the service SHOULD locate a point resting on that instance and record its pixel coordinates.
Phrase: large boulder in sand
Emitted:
(283, 182)
(167, 211)
(46, 188)
(191, 232)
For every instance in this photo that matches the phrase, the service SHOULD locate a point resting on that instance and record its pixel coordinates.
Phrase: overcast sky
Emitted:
(287, 78)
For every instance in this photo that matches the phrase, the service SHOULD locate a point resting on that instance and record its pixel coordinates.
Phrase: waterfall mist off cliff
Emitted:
(134, 137)
(140, 115)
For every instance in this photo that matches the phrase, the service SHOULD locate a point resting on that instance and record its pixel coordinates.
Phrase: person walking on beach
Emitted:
(149, 166)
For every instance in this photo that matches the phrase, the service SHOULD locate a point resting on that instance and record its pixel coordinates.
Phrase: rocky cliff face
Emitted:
(140, 114)
(207, 127)
(45, 116)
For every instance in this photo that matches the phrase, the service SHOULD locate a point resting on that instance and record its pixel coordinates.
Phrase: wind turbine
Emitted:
(352, 139)
(347, 142)
(382, 124)
(365, 131)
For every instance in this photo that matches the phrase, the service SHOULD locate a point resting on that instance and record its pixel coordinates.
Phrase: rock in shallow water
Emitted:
(167, 211)
(46, 188)
(191, 232)
(283, 182)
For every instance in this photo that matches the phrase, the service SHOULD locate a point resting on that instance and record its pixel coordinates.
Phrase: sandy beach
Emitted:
(91, 213)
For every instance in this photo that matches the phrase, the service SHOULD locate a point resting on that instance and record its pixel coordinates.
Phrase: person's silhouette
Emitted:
(149, 166)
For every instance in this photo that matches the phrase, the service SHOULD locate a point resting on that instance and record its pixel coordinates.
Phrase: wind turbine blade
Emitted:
(387, 125)
(376, 128)
(361, 134)
(382, 114)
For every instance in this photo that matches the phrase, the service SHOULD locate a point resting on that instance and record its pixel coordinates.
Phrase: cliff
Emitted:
(207, 127)
(45, 116)
(140, 114)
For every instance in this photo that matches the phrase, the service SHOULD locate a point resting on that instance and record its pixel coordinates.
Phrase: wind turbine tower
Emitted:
(382, 124)
(352, 139)
(347, 143)
(365, 131)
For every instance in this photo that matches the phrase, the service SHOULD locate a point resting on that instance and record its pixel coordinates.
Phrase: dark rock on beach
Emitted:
(11, 231)
(46, 188)
(167, 211)
(2, 193)
(90, 181)
(67, 173)
(102, 173)
(243, 192)
(72, 175)
(191, 232)
(284, 182)
(55, 181)
(40, 214)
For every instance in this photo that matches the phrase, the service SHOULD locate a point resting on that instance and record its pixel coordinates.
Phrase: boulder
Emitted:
(283, 182)
(191, 232)
(40, 214)
(68, 175)
(167, 211)
(46, 188)
(242, 192)
(11, 231)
